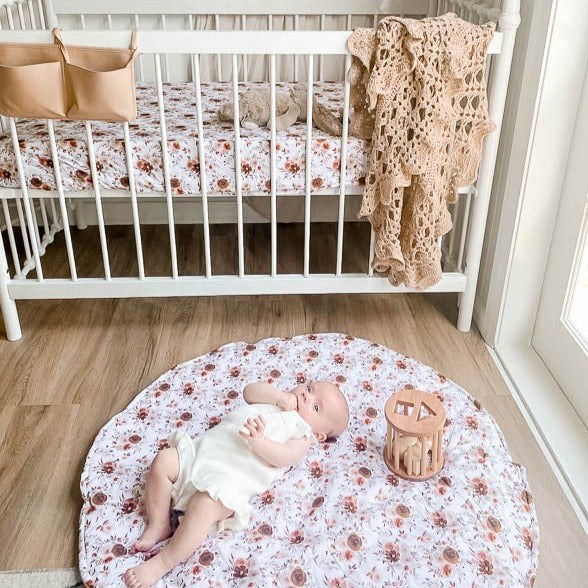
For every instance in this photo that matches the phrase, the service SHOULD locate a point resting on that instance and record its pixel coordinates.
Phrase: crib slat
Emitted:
(343, 167)
(82, 22)
(237, 157)
(372, 244)
(44, 217)
(140, 58)
(99, 213)
(166, 170)
(202, 164)
(273, 166)
(54, 219)
(32, 15)
(134, 206)
(26, 200)
(296, 21)
(308, 165)
(321, 57)
(41, 13)
(9, 16)
(63, 205)
(21, 18)
(165, 55)
(219, 61)
(464, 230)
(10, 231)
(36, 226)
(23, 230)
(244, 56)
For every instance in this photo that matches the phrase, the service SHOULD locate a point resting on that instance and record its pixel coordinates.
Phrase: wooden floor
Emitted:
(80, 362)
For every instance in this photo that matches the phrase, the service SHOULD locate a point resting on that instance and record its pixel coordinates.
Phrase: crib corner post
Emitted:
(7, 304)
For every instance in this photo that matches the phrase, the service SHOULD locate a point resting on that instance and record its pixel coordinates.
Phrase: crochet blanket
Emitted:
(418, 89)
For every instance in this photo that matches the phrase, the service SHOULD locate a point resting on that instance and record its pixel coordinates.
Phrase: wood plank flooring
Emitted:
(82, 361)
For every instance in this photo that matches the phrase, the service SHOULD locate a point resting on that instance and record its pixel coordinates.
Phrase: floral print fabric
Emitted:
(339, 518)
(182, 132)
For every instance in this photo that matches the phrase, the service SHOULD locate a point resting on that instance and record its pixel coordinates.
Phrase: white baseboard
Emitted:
(557, 428)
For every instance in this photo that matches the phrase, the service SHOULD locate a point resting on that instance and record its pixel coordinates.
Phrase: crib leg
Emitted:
(81, 221)
(7, 304)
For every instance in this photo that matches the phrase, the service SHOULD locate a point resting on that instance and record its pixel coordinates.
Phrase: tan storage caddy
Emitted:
(59, 81)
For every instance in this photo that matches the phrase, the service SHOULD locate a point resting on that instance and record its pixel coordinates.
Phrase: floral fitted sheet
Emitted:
(339, 518)
(182, 133)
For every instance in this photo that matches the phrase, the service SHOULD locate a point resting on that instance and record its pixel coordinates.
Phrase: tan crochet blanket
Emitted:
(418, 89)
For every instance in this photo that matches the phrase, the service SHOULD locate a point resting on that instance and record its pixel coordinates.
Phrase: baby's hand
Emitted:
(286, 401)
(254, 429)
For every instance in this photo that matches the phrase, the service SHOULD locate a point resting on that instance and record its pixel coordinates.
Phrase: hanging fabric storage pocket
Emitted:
(99, 82)
(31, 81)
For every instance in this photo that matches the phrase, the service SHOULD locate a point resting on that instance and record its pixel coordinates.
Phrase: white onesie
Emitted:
(220, 461)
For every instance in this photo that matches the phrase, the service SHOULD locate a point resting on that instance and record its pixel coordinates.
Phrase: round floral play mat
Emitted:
(340, 518)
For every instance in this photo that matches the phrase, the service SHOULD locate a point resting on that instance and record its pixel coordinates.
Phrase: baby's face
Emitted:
(323, 407)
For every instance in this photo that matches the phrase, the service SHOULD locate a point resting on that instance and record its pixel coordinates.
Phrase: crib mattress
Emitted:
(339, 518)
(181, 123)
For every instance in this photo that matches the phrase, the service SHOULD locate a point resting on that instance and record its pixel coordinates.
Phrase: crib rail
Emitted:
(155, 46)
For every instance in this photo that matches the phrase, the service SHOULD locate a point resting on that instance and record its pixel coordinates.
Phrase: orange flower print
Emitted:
(213, 421)
(222, 183)
(275, 373)
(194, 166)
(188, 389)
(350, 504)
(246, 168)
(391, 552)
(472, 422)
(240, 568)
(300, 378)
(129, 506)
(392, 480)
(317, 182)
(403, 511)
(485, 564)
(527, 538)
(265, 530)
(144, 166)
(298, 576)
(360, 444)
(296, 537)
(142, 414)
(99, 499)
(340, 379)
(267, 497)
(494, 524)
(337, 583)
(354, 542)
(235, 371)
(365, 472)
(292, 167)
(118, 550)
(371, 412)
(206, 558)
(480, 486)
(439, 519)
(108, 467)
(316, 470)
(451, 555)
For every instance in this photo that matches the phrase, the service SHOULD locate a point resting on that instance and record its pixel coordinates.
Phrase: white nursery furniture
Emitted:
(192, 55)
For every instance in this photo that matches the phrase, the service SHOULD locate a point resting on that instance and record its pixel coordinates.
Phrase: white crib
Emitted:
(177, 44)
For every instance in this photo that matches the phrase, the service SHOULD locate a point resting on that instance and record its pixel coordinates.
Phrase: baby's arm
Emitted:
(260, 392)
(275, 453)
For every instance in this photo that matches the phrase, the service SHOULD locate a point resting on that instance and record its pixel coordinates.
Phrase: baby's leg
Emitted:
(162, 474)
(201, 513)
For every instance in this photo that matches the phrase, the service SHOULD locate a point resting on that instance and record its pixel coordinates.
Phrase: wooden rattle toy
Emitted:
(415, 431)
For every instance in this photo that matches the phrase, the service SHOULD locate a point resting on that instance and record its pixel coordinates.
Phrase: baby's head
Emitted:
(323, 406)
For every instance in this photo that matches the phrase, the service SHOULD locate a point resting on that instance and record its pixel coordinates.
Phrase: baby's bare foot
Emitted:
(152, 534)
(146, 574)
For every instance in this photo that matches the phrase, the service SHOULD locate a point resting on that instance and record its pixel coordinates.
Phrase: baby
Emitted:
(211, 478)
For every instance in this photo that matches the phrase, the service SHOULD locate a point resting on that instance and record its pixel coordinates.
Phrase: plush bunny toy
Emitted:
(254, 110)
